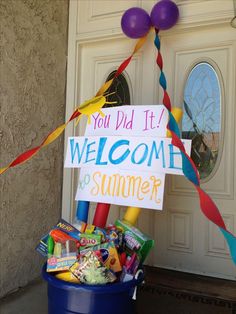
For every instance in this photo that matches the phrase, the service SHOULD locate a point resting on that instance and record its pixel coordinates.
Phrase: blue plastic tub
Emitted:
(67, 298)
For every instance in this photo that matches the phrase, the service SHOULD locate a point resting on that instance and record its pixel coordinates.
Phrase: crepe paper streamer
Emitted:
(30, 153)
(131, 215)
(101, 214)
(177, 114)
(88, 108)
(207, 205)
(230, 238)
(82, 211)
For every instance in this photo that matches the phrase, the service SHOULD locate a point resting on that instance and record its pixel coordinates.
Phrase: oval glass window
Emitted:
(118, 91)
(202, 116)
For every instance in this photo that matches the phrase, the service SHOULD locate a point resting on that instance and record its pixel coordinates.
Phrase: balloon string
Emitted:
(207, 205)
(59, 130)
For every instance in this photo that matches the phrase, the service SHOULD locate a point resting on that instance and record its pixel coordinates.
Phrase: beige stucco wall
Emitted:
(33, 77)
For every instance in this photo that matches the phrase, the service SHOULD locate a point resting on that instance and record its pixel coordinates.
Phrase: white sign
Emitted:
(123, 152)
(121, 187)
(124, 157)
(130, 120)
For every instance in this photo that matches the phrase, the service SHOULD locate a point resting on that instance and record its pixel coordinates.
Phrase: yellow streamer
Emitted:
(55, 134)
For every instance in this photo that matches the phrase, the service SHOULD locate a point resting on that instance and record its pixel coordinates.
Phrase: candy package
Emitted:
(90, 270)
(108, 254)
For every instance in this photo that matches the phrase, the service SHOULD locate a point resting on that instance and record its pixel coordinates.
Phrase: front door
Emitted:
(199, 63)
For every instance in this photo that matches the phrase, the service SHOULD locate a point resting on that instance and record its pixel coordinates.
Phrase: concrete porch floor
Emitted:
(31, 299)
(165, 292)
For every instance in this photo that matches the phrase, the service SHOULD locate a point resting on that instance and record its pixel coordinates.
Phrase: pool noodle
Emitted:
(101, 214)
(82, 211)
(131, 215)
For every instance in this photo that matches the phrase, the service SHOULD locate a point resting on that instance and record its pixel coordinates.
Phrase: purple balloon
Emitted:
(164, 14)
(135, 22)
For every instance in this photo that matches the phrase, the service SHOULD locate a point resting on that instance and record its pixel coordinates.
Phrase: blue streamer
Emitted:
(162, 81)
(157, 42)
(173, 125)
(188, 170)
(231, 240)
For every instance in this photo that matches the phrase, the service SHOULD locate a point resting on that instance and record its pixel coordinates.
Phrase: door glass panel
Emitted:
(118, 91)
(202, 116)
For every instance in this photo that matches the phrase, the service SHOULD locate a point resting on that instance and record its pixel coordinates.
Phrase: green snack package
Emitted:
(134, 240)
(88, 240)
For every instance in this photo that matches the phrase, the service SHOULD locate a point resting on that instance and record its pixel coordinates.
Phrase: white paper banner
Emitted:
(131, 153)
(121, 187)
(130, 120)
(124, 156)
